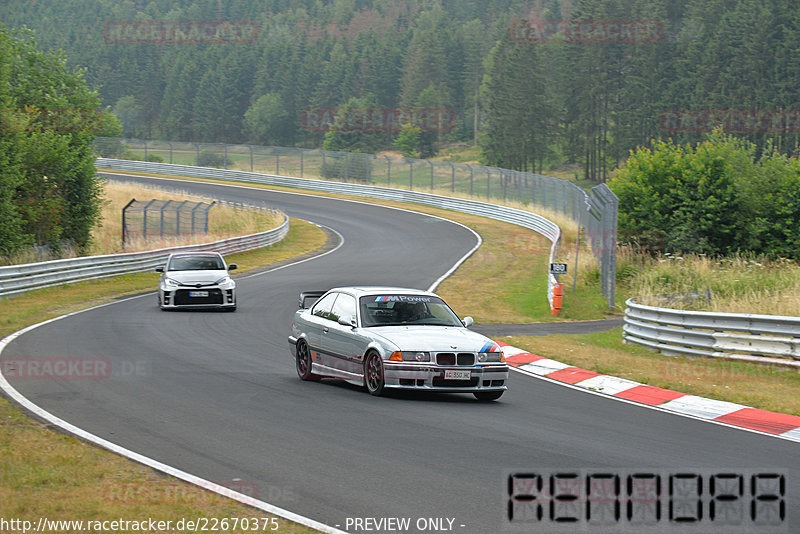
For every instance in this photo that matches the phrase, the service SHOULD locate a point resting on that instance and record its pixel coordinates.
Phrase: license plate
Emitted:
(198, 293)
(450, 374)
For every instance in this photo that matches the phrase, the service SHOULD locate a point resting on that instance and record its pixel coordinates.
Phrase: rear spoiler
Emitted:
(301, 303)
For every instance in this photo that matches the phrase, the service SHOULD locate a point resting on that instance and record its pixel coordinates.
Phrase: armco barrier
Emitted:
(523, 218)
(19, 278)
(737, 336)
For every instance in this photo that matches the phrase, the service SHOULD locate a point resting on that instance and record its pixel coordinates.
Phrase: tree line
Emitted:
(48, 119)
(532, 97)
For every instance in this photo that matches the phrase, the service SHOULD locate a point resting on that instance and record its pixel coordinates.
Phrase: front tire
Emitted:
(304, 362)
(373, 374)
(488, 395)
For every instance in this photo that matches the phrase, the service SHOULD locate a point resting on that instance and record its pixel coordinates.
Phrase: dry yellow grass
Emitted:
(739, 284)
(223, 221)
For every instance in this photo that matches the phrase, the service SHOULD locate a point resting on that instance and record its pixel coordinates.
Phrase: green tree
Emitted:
(267, 121)
(408, 141)
(49, 177)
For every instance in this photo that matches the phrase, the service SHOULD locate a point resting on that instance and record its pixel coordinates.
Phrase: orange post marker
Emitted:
(558, 293)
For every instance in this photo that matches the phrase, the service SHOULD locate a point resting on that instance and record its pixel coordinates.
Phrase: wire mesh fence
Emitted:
(143, 219)
(595, 210)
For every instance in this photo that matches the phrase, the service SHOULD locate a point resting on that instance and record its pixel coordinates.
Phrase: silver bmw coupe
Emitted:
(385, 337)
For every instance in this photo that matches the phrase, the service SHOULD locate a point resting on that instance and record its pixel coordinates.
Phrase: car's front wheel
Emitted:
(488, 395)
(304, 362)
(373, 374)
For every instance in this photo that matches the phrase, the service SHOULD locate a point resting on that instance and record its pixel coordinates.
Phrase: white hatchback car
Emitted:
(196, 280)
(383, 337)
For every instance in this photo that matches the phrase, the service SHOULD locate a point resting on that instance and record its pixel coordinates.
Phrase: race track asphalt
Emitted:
(216, 395)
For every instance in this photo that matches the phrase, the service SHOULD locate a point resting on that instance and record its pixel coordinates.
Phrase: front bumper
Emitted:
(211, 297)
(431, 377)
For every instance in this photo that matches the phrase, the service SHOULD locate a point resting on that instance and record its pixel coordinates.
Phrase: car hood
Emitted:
(433, 338)
(196, 277)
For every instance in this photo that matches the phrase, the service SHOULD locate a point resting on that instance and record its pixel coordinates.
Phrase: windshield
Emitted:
(394, 310)
(196, 263)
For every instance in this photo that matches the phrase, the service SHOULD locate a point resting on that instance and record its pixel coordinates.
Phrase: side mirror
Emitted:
(232, 266)
(347, 320)
(160, 269)
(468, 321)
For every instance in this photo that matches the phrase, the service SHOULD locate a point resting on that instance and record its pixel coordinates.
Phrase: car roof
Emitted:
(191, 253)
(375, 290)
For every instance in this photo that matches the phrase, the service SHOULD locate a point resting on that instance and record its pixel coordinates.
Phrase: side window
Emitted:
(323, 306)
(345, 306)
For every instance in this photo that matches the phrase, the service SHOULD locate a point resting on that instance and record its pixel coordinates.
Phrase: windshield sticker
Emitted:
(402, 298)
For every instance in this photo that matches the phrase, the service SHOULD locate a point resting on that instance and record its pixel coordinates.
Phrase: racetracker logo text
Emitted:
(731, 121)
(56, 368)
(586, 31)
(377, 119)
(166, 32)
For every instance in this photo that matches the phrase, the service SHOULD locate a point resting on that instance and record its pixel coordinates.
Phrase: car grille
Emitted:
(182, 297)
(451, 358)
(441, 382)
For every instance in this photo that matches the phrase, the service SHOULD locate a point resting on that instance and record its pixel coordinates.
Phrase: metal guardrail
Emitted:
(738, 336)
(523, 218)
(20, 278)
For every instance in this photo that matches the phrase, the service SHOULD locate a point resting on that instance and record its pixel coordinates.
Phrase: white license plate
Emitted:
(450, 374)
(198, 293)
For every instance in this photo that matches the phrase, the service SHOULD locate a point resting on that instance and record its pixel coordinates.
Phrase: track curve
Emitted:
(216, 395)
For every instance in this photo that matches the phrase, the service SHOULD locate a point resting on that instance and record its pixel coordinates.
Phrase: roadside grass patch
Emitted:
(738, 284)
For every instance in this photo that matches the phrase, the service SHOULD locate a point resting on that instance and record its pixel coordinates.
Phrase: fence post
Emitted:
(388, 170)
(250, 147)
(452, 177)
(178, 217)
(302, 151)
(471, 180)
(170, 152)
(205, 225)
(161, 221)
(144, 222)
(410, 175)
(124, 222)
(431, 164)
(277, 162)
(225, 156)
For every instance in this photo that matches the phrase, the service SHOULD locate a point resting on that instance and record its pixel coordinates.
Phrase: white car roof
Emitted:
(374, 290)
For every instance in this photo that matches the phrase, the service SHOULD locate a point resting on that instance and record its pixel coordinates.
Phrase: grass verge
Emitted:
(45, 474)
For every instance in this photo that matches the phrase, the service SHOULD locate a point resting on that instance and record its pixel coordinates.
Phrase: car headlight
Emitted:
(410, 356)
(169, 282)
(223, 280)
(485, 357)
